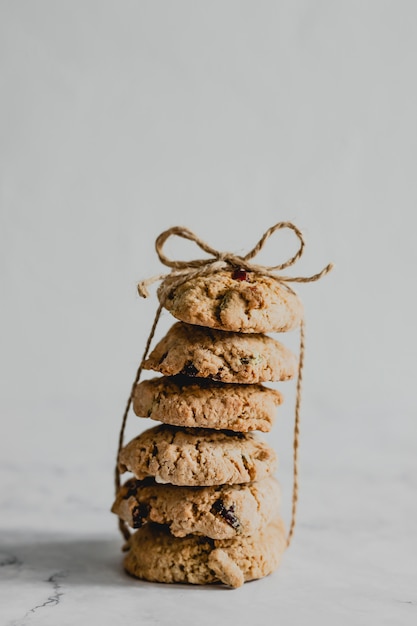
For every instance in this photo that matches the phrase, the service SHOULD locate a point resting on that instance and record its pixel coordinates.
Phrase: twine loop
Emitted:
(181, 271)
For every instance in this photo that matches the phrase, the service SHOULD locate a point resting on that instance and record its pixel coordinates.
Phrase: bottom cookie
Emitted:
(155, 555)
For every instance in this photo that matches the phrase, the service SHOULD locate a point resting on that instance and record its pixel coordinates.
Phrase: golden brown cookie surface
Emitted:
(220, 512)
(234, 300)
(154, 554)
(225, 356)
(197, 457)
(204, 403)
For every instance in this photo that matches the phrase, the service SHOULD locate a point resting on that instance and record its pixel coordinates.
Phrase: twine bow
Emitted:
(182, 271)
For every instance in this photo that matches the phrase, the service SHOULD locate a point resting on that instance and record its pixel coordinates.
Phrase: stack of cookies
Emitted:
(203, 498)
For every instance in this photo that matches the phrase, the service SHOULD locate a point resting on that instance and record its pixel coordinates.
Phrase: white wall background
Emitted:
(120, 119)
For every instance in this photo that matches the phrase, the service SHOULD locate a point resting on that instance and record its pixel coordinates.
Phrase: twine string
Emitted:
(296, 436)
(123, 527)
(182, 271)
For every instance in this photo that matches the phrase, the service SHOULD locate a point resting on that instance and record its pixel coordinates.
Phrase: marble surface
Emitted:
(353, 560)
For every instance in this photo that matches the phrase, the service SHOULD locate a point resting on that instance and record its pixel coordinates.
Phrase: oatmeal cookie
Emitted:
(220, 512)
(154, 554)
(196, 351)
(234, 300)
(197, 456)
(205, 403)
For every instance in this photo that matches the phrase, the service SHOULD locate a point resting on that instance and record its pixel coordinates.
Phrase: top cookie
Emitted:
(234, 300)
(226, 356)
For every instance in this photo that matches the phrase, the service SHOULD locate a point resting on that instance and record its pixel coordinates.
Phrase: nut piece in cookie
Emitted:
(197, 456)
(229, 357)
(205, 403)
(154, 554)
(220, 512)
(234, 300)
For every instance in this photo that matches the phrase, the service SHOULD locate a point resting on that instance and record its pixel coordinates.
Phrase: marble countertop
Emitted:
(353, 559)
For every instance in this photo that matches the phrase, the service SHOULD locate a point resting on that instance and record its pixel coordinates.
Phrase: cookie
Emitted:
(154, 554)
(184, 401)
(234, 300)
(197, 456)
(218, 512)
(229, 357)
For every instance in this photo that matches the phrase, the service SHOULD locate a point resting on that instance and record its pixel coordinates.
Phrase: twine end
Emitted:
(142, 291)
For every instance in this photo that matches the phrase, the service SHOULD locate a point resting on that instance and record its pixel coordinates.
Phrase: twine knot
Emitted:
(181, 271)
